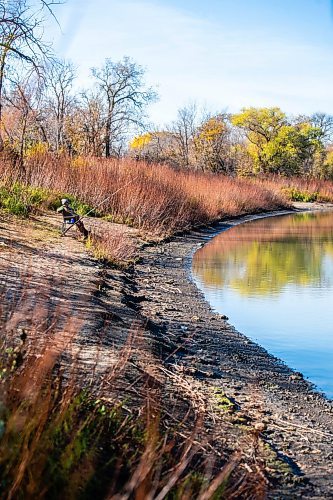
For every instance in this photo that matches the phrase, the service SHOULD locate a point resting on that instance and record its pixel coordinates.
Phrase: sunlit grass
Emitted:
(61, 440)
(154, 198)
(299, 189)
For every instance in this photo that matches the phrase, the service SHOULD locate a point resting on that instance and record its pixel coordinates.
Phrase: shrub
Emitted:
(299, 189)
(295, 194)
(21, 200)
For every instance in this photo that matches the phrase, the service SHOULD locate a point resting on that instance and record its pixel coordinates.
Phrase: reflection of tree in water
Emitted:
(262, 257)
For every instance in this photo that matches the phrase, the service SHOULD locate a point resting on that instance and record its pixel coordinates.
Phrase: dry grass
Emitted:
(153, 198)
(115, 247)
(58, 440)
(299, 189)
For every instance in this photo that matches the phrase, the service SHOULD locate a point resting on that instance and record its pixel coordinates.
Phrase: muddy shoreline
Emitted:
(182, 352)
(296, 420)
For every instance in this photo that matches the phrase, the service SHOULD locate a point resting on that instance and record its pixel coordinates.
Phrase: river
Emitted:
(273, 278)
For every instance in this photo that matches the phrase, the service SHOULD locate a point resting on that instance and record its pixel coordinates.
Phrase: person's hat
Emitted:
(64, 201)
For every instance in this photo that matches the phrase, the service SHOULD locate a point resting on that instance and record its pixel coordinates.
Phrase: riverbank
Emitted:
(296, 421)
(145, 336)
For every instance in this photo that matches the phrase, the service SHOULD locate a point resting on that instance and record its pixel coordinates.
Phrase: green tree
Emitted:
(261, 126)
(293, 151)
(277, 146)
(324, 168)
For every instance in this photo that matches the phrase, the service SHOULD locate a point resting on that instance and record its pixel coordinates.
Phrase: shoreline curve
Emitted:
(215, 353)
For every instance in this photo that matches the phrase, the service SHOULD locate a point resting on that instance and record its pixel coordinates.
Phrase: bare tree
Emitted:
(21, 37)
(325, 123)
(125, 98)
(183, 129)
(90, 123)
(59, 77)
(23, 114)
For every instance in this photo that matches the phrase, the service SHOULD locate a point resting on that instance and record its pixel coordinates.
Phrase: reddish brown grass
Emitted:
(154, 198)
(57, 439)
(114, 247)
(299, 189)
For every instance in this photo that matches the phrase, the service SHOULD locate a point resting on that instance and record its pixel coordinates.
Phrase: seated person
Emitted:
(70, 215)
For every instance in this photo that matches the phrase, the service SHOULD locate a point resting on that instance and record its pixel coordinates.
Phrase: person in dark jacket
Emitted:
(71, 217)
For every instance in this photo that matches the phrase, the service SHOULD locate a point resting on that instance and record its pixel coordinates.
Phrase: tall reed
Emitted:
(154, 198)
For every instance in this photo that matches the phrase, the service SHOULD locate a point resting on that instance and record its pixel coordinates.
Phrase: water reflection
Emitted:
(263, 256)
(273, 277)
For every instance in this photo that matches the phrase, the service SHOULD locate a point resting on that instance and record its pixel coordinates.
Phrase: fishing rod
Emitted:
(99, 204)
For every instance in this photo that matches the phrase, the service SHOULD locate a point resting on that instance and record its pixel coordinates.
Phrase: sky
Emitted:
(222, 54)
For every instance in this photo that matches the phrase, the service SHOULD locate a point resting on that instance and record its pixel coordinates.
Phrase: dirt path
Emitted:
(54, 290)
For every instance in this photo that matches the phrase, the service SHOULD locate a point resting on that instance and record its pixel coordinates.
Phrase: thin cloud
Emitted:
(222, 60)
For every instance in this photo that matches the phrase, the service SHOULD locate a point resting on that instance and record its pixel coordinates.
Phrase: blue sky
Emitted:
(224, 54)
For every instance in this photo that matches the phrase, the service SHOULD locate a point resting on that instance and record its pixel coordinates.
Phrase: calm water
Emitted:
(273, 278)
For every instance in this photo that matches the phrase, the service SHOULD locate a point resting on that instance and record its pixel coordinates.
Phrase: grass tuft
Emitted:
(115, 248)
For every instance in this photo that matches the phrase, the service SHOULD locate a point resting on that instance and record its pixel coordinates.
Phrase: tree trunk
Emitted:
(2, 76)
(107, 139)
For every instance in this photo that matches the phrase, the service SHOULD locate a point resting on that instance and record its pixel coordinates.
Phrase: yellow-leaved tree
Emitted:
(210, 144)
(276, 145)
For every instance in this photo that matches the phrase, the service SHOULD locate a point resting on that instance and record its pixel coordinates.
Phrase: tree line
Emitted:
(40, 110)
(254, 141)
